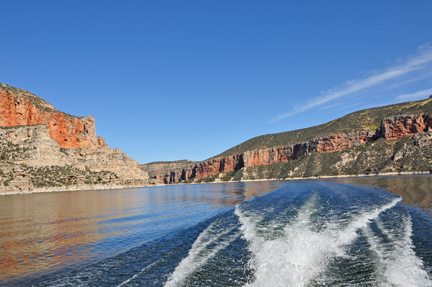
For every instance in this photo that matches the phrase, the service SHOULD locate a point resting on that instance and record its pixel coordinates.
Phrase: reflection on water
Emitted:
(304, 234)
(48, 233)
(414, 189)
(54, 232)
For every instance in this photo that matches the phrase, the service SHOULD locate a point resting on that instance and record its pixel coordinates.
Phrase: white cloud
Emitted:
(416, 95)
(418, 62)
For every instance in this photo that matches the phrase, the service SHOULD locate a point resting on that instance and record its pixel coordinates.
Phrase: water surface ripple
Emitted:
(305, 233)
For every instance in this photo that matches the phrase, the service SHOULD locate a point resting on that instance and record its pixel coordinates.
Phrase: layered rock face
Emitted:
(333, 143)
(25, 147)
(391, 128)
(162, 167)
(42, 148)
(267, 156)
(381, 156)
(18, 107)
(399, 126)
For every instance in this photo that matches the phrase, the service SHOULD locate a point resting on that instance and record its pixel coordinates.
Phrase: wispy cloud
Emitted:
(418, 62)
(416, 95)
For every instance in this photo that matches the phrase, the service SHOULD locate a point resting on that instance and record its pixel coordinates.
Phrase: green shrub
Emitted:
(228, 176)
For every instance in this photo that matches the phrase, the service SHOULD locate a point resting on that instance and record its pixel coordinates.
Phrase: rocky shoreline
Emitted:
(105, 187)
(315, 178)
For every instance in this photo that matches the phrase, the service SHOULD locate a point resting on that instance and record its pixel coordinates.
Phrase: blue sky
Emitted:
(169, 80)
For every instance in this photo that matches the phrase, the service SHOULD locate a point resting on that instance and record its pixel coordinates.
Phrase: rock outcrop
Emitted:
(329, 143)
(162, 167)
(42, 148)
(101, 142)
(19, 107)
(391, 128)
(406, 155)
(337, 142)
(28, 148)
(399, 126)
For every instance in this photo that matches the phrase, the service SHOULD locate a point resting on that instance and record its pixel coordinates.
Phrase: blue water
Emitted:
(238, 234)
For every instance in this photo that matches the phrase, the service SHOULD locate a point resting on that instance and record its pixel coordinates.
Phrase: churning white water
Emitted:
(208, 243)
(304, 234)
(303, 252)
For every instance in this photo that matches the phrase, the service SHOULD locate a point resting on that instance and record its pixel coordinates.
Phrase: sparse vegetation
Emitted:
(368, 119)
(164, 167)
(47, 176)
(34, 100)
(208, 179)
(377, 157)
(57, 176)
(228, 176)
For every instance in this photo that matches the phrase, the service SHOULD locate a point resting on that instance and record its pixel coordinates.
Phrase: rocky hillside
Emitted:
(42, 149)
(19, 108)
(364, 120)
(163, 167)
(390, 128)
(409, 154)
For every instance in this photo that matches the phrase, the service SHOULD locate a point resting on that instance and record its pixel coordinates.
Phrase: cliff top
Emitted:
(368, 119)
(163, 167)
(34, 100)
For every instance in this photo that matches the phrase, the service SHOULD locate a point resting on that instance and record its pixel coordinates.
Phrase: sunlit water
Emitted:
(306, 233)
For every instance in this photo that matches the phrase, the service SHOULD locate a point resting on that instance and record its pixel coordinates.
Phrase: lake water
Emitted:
(296, 233)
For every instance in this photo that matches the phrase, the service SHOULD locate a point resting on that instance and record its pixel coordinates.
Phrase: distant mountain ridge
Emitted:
(346, 133)
(363, 120)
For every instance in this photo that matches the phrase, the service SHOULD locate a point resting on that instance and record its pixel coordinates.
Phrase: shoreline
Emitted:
(105, 187)
(315, 178)
(78, 188)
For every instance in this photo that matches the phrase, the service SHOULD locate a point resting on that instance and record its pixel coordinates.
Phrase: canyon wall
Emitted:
(20, 108)
(390, 128)
(44, 149)
(266, 156)
(38, 149)
(28, 151)
(162, 167)
(399, 126)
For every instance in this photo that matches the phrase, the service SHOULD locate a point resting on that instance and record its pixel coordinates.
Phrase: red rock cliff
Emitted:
(70, 132)
(391, 128)
(272, 155)
(399, 126)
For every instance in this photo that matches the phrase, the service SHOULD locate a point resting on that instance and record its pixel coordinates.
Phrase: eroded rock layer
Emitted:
(399, 126)
(28, 151)
(44, 149)
(391, 128)
(19, 108)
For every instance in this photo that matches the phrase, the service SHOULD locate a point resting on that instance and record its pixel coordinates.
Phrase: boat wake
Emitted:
(213, 239)
(304, 234)
(316, 239)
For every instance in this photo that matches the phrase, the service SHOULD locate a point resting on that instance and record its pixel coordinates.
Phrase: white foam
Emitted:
(202, 250)
(136, 275)
(396, 261)
(302, 253)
